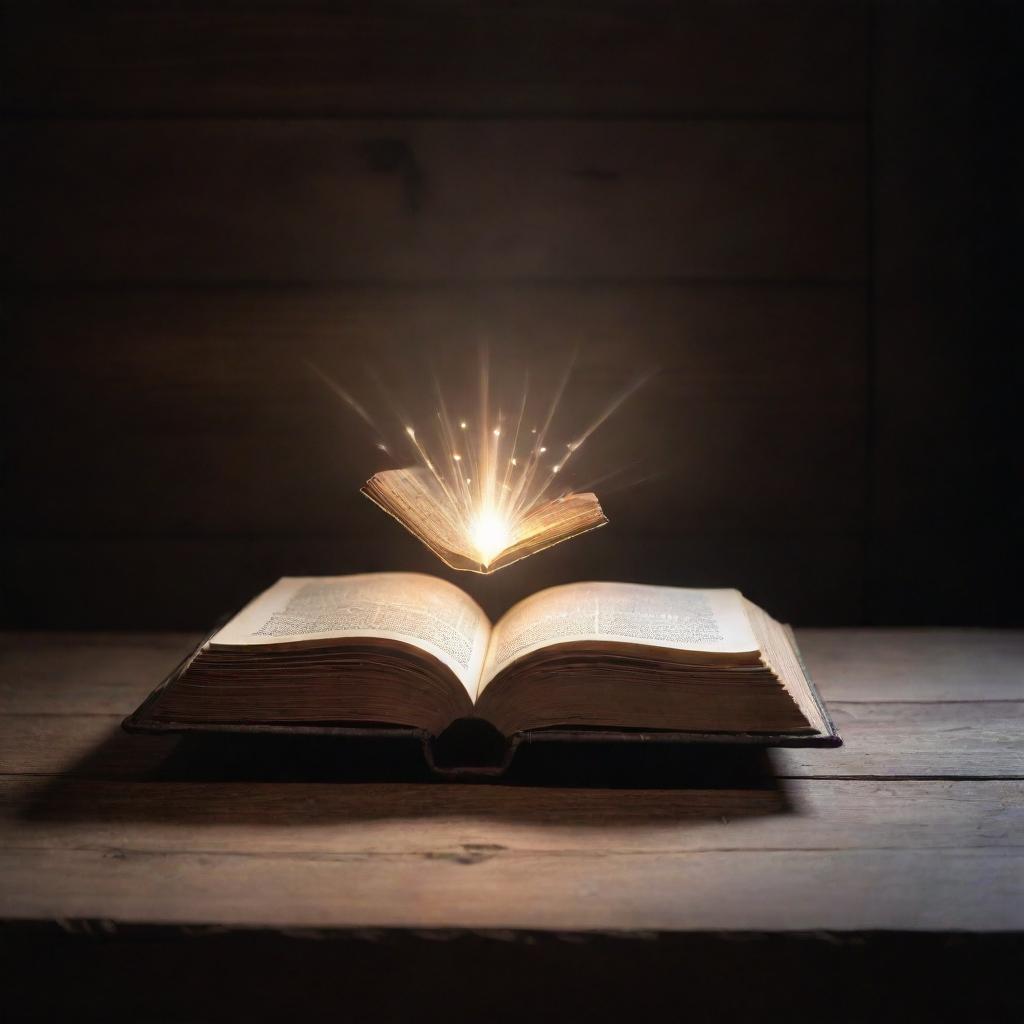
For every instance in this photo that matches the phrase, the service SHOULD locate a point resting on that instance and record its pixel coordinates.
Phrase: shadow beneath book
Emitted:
(236, 779)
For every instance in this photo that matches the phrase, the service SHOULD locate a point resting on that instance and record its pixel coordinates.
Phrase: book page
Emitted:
(424, 611)
(415, 499)
(632, 613)
(550, 524)
(419, 503)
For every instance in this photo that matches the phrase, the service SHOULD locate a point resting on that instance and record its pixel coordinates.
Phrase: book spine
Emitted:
(442, 767)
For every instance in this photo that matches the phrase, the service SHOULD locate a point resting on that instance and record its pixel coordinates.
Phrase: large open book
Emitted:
(404, 649)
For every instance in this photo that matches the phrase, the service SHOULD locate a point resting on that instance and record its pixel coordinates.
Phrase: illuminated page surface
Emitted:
(418, 502)
(674, 618)
(411, 608)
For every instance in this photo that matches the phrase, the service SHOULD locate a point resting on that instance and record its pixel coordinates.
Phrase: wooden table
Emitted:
(136, 865)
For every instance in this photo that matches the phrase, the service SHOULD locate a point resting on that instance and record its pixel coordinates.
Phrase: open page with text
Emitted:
(713, 621)
(411, 608)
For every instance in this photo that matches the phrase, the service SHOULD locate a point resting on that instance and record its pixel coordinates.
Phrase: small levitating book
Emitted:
(355, 654)
(488, 541)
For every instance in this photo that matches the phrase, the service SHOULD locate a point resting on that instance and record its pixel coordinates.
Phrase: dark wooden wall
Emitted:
(770, 201)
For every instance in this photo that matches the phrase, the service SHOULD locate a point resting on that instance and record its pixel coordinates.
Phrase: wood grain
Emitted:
(428, 201)
(313, 58)
(931, 665)
(976, 890)
(886, 740)
(914, 740)
(476, 823)
(49, 673)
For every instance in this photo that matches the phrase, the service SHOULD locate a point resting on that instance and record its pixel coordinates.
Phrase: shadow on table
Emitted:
(205, 778)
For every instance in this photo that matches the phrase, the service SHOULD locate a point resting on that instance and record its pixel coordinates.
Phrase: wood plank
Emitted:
(111, 583)
(476, 823)
(227, 200)
(952, 740)
(50, 673)
(93, 745)
(312, 58)
(759, 390)
(884, 740)
(915, 664)
(965, 890)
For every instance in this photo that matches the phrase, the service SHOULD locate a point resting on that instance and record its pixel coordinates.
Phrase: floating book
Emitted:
(387, 650)
(414, 498)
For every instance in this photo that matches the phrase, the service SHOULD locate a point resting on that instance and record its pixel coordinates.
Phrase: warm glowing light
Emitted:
(491, 533)
(489, 477)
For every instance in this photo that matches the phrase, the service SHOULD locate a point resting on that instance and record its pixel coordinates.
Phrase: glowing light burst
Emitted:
(490, 534)
(493, 469)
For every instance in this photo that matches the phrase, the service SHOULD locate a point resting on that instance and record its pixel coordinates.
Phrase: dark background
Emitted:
(805, 213)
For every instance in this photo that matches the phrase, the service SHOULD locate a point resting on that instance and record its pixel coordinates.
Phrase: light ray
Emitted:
(491, 469)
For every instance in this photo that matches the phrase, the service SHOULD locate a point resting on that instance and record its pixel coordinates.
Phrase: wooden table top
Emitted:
(915, 824)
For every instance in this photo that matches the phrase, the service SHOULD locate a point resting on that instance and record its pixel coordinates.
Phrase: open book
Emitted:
(412, 650)
(414, 498)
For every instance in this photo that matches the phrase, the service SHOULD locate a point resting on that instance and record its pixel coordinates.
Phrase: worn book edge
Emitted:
(139, 721)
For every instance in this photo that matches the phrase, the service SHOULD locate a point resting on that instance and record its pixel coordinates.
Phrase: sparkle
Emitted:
(487, 497)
